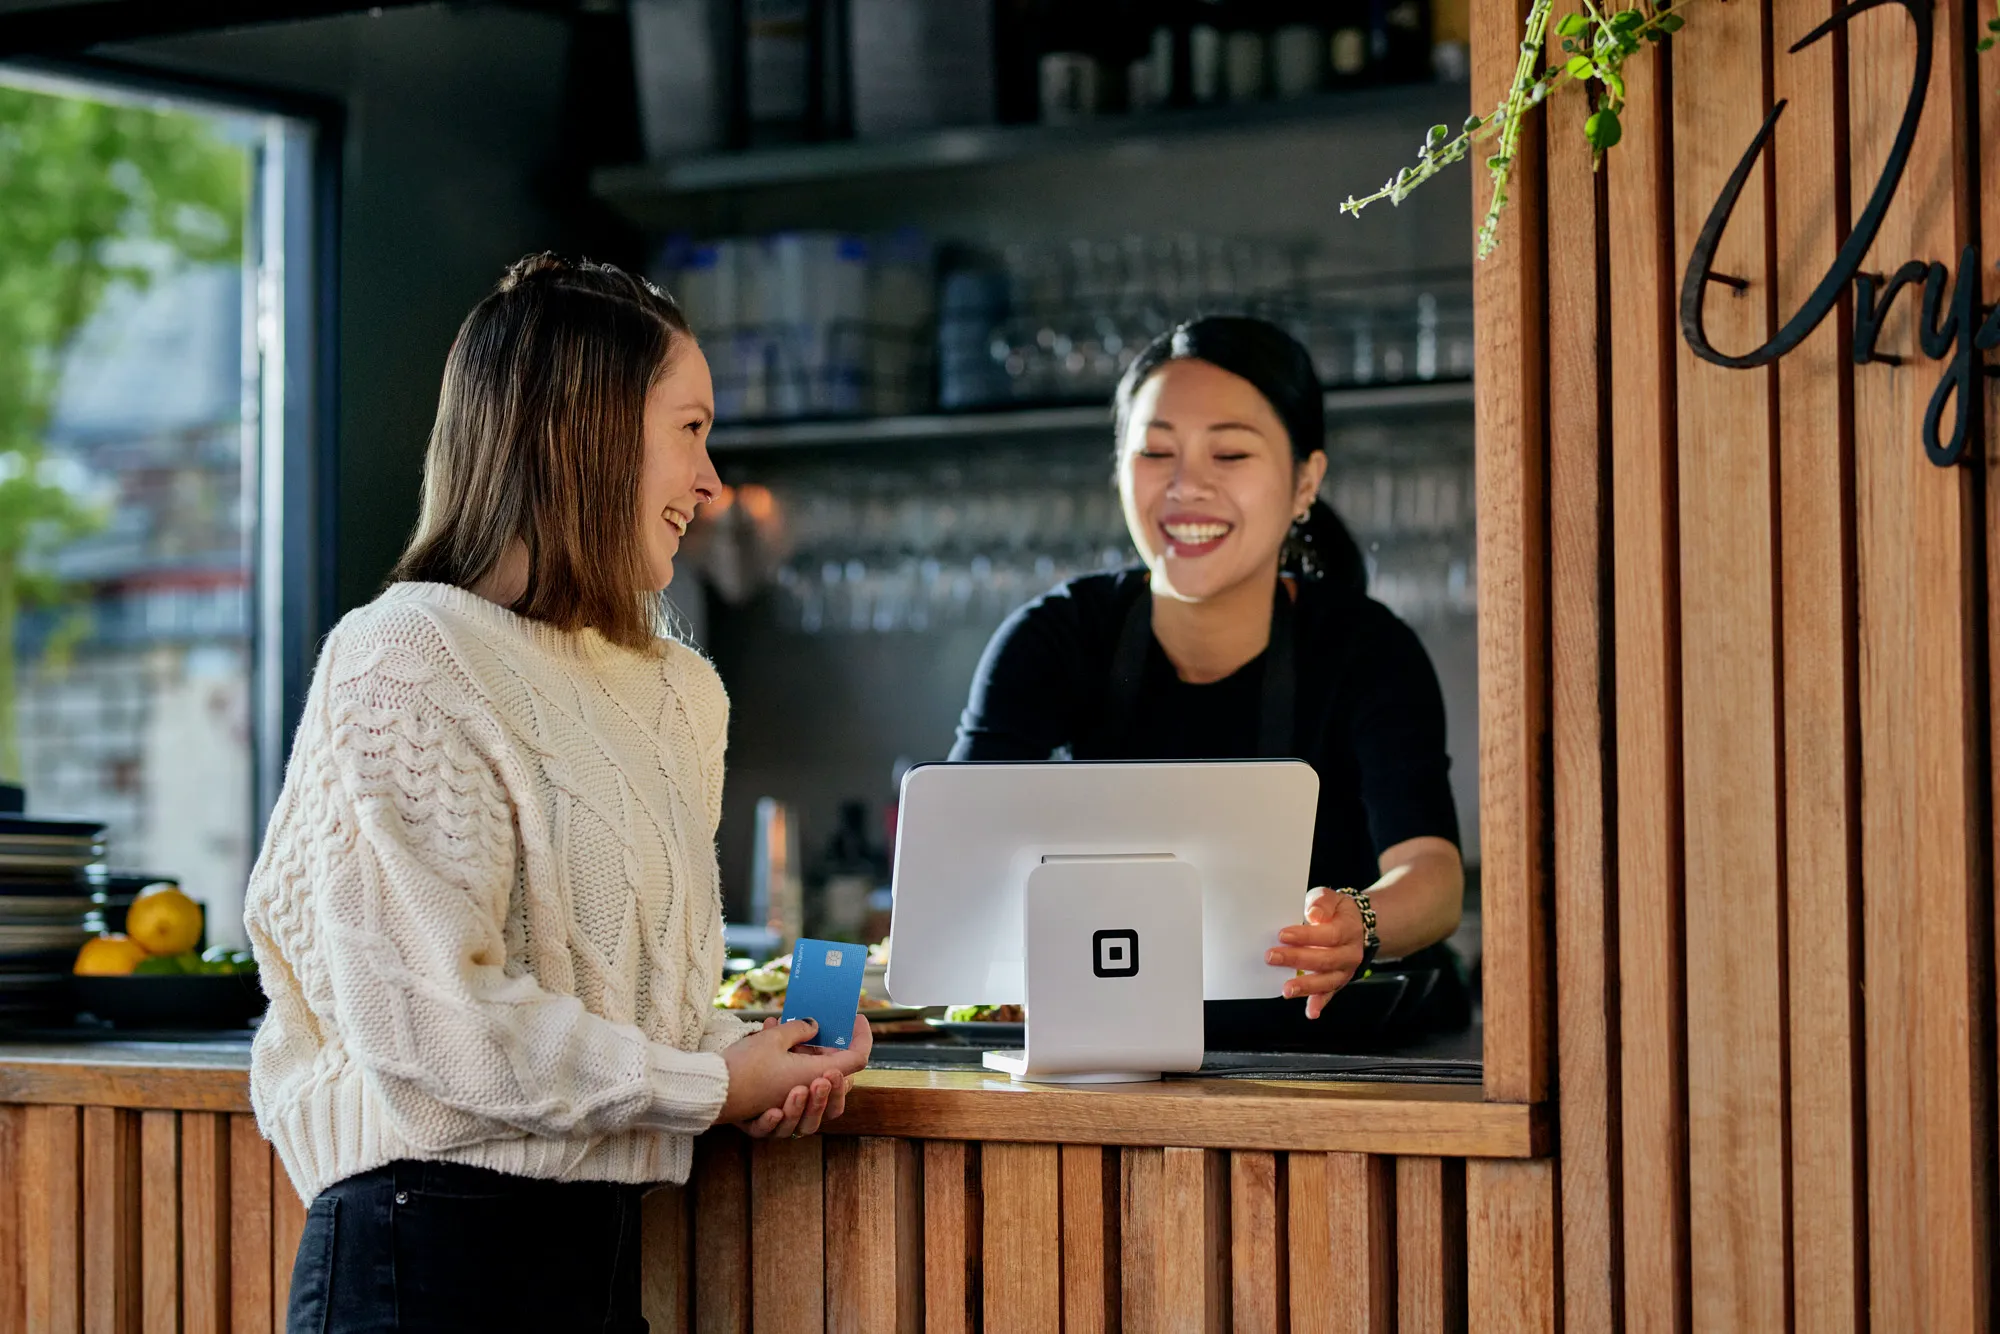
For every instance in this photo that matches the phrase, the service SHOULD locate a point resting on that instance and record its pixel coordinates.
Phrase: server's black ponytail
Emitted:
(1279, 368)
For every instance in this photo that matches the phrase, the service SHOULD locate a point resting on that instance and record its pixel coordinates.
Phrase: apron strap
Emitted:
(1128, 673)
(1274, 718)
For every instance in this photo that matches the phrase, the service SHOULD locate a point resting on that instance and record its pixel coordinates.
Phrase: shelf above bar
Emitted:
(1028, 422)
(634, 188)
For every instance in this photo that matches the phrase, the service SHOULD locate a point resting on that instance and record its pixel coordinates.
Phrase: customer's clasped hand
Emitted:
(777, 1091)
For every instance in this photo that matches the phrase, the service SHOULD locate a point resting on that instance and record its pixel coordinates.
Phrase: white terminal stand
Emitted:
(1113, 967)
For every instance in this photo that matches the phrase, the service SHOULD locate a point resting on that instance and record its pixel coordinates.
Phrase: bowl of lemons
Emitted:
(151, 976)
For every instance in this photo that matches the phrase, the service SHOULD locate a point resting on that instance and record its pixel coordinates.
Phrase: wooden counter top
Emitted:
(1451, 1120)
(1349, 1116)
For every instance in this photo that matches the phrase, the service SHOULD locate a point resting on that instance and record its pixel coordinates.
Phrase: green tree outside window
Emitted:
(85, 187)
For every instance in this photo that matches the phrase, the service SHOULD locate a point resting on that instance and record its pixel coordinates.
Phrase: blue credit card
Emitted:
(826, 988)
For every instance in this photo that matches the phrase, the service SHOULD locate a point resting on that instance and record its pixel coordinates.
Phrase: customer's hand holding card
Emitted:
(781, 1085)
(826, 988)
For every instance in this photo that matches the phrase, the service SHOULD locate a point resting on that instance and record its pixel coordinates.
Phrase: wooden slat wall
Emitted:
(1777, 1108)
(1082, 1238)
(140, 1222)
(174, 1221)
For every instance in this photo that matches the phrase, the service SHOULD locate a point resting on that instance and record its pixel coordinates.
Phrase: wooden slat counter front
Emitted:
(136, 1194)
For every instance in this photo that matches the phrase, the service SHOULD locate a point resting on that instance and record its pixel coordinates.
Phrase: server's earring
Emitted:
(1299, 555)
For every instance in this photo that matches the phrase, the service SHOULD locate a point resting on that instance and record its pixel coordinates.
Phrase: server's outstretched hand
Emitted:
(1327, 950)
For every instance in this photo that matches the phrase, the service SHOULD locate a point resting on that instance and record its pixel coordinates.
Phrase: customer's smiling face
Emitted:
(677, 476)
(1209, 485)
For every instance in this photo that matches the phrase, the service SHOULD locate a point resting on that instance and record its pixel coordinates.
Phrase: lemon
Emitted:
(109, 956)
(164, 920)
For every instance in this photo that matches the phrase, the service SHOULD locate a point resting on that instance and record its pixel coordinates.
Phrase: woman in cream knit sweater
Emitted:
(487, 908)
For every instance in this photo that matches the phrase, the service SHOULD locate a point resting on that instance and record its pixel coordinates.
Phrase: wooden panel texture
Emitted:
(874, 1243)
(288, 1222)
(1142, 1196)
(250, 1172)
(1430, 1246)
(52, 1218)
(1776, 729)
(1821, 777)
(1923, 807)
(13, 1172)
(1511, 1277)
(1652, 1114)
(1738, 1197)
(1259, 1255)
(1090, 1238)
(721, 1187)
(1513, 628)
(205, 1223)
(159, 1221)
(1582, 728)
(110, 1220)
(1021, 1187)
(1342, 1236)
(1194, 1239)
(952, 1261)
(1987, 98)
(788, 1196)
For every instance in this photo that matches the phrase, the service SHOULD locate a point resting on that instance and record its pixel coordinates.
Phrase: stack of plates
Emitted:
(48, 870)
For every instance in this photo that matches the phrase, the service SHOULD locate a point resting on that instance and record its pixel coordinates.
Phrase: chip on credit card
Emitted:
(826, 988)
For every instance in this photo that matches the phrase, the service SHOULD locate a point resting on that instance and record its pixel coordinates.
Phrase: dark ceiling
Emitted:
(71, 27)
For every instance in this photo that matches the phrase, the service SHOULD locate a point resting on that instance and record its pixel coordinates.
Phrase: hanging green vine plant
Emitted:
(1596, 45)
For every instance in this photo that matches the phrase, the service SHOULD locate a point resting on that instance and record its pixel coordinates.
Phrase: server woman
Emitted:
(1247, 632)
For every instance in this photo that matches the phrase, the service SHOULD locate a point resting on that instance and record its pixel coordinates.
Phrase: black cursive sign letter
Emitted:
(1694, 288)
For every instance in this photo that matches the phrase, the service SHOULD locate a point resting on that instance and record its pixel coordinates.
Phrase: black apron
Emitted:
(1112, 739)
(1363, 1016)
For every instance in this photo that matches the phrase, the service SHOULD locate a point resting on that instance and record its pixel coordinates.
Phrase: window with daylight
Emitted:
(155, 440)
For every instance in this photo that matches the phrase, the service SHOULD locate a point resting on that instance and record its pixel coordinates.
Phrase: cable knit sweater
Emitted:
(487, 909)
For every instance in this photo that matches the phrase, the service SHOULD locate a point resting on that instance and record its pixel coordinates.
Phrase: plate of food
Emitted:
(759, 993)
(985, 1023)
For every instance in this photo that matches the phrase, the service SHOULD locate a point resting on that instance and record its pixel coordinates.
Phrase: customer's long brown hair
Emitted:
(540, 435)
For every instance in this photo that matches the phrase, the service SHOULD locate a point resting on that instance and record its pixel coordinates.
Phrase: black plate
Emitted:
(1358, 1014)
(60, 884)
(36, 826)
(219, 1000)
(982, 1030)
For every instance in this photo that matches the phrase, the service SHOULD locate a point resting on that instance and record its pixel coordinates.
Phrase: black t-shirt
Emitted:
(1367, 713)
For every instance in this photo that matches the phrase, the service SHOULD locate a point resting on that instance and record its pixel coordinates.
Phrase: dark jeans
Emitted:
(436, 1247)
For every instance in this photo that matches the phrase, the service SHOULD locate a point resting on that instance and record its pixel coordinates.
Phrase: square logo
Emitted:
(1115, 953)
(833, 958)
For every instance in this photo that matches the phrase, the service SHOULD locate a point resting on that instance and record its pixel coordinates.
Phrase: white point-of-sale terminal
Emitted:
(1110, 899)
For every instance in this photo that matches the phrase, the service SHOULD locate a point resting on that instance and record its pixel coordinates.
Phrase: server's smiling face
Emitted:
(676, 477)
(1209, 485)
